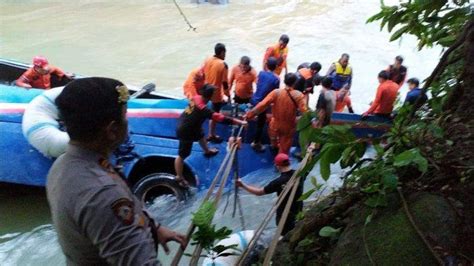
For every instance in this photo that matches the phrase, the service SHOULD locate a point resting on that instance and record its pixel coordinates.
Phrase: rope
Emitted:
(270, 213)
(223, 172)
(198, 250)
(184, 17)
(237, 203)
(191, 227)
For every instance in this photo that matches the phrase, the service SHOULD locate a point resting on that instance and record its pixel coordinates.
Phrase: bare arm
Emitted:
(262, 105)
(23, 81)
(251, 189)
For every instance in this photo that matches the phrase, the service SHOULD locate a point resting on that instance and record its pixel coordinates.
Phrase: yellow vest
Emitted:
(341, 71)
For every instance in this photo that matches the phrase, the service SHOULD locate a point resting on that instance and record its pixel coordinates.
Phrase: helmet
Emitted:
(40, 61)
(282, 160)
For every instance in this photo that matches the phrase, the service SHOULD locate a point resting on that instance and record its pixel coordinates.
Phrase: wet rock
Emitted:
(391, 238)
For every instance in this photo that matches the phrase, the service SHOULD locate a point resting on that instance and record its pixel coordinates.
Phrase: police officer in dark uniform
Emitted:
(97, 218)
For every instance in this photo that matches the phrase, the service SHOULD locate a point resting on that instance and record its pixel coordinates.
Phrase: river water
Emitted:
(145, 41)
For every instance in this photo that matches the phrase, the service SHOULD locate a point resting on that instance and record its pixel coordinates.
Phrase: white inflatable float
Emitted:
(40, 124)
(241, 239)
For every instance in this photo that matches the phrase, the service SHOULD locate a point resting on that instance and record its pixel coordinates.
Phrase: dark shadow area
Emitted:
(22, 208)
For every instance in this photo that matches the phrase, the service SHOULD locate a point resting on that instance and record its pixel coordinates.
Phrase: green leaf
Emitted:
(376, 201)
(372, 188)
(300, 216)
(329, 231)
(390, 181)
(447, 41)
(380, 151)
(399, 33)
(368, 219)
(314, 181)
(204, 214)
(325, 168)
(305, 120)
(221, 248)
(306, 195)
(412, 156)
(393, 20)
(305, 242)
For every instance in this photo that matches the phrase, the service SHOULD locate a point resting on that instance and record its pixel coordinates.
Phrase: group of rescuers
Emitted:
(99, 220)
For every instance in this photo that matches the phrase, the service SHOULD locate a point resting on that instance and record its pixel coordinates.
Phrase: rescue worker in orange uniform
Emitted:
(39, 76)
(193, 83)
(280, 52)
(215, 73)
(244, 76)
(343, 100)
(308, 77)
(385, 98)
(286, 102)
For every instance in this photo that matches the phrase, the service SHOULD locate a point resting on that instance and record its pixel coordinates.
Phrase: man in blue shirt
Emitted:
(414, 93)
(267, 81)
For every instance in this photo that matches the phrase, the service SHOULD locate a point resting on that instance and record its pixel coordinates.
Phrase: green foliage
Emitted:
(207, 234)
(203, 216)
(316, 187)
(329, 231)
(433, 22)
(338, 143)
(412, 156)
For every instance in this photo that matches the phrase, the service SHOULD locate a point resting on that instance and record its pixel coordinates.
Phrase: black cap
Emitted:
(88, 104)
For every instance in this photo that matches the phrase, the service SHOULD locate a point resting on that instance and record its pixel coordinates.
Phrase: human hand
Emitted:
(166, 235)
(249, 115)
(364, 116)
(311, 147)
(238, 183)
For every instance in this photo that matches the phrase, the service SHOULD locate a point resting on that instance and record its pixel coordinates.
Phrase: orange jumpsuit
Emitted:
(215, 73)
(36, 80)
(342, 103)
(194, 82)
(283, 122)
(243, 82)
(279, 54)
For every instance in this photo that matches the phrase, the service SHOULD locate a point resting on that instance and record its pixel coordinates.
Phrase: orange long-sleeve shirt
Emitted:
(243, 81)
(215, 73)
(385, 98)
(284, 108)
(194, 82)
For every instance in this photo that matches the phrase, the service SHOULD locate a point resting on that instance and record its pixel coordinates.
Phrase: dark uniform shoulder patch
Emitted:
(123, 209)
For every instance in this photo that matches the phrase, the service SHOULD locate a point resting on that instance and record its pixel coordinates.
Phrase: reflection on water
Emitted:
(40, 247)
